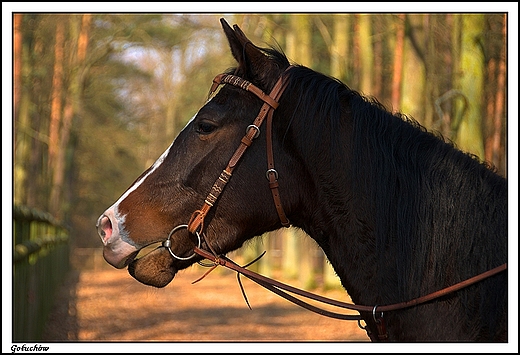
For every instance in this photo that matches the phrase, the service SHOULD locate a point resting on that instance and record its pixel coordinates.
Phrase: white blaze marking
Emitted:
(120, 219)
(117, 219)
(155, 165)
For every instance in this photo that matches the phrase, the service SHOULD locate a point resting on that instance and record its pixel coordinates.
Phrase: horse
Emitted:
(399, 211)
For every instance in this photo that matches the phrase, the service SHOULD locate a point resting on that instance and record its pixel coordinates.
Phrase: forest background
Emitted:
(97, 97)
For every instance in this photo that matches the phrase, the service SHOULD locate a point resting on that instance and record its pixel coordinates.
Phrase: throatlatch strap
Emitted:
(272, 174)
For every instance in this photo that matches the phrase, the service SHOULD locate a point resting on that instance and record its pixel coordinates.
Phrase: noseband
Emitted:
(196, 223)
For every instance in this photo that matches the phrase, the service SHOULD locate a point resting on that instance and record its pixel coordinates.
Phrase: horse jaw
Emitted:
(154, 269)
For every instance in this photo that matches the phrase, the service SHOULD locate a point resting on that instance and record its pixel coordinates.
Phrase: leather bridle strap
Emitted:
(196, 223)
(271, 173)
(277, 286)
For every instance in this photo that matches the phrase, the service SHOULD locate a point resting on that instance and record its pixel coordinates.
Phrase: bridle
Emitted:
(196, 224)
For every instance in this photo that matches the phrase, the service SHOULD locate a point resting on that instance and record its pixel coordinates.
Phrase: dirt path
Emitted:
(109, 305)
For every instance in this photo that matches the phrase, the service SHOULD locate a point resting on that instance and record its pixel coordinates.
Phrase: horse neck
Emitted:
(367, 229)
(338, 222)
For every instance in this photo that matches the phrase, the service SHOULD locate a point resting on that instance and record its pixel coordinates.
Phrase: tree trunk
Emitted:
(17, 61)
(21, 102)
(431, 89)
(413, 84)
(499, 114)
(339, 51)
(398, 62)
(56, 94)
(469, 136)
(366, 53)
(490, 110)
(496, 103)
(459, 105)
(79, 42)
(300, 25)
(378, 63)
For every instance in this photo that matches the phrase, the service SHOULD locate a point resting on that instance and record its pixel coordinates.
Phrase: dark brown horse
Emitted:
(399, 212)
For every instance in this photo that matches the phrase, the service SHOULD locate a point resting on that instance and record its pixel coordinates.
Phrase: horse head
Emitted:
(160, 203)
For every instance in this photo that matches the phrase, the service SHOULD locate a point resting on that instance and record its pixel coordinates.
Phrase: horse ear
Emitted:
(234, 43)
(251, 60)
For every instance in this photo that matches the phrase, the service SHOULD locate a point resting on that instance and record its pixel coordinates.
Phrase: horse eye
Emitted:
(205, 128)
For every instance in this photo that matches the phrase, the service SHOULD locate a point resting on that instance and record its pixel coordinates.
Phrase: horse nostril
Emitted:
(104, 228)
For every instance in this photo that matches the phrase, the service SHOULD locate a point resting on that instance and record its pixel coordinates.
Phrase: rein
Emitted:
(377, 311)
(196, 224)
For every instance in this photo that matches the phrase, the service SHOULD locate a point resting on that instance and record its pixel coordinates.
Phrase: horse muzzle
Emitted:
(116, 251)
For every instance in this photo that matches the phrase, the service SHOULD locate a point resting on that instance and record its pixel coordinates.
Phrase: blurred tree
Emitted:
(363, 32)
(496, 92)
(472, 65)
(79, 27)
(340, 45)
(398, 62)
(337, 43)
(414, 75)
(21, 109)
(56, 93)
(17, 60)
(31, 137)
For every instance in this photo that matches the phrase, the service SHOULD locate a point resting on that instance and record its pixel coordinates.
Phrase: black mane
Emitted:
(423, 192)
(415, 181)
